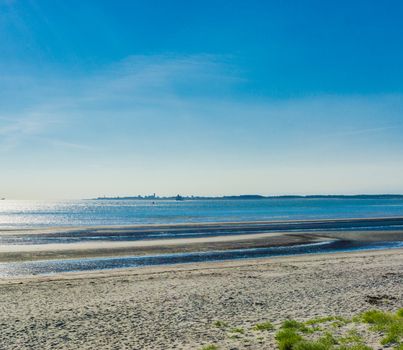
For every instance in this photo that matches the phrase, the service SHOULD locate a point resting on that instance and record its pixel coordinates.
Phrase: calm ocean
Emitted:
(23, 214)
(37, 214)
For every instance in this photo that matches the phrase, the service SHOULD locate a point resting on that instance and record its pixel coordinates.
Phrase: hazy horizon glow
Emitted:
(101, 98)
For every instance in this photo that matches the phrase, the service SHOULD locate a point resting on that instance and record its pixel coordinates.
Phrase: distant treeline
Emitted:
(257, 196)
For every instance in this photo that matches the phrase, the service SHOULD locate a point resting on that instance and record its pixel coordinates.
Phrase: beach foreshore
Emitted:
(176, 307)
(9, 253)
(118, 240)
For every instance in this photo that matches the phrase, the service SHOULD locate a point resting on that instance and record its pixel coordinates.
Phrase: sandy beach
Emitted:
(179, 306)
(176, 307)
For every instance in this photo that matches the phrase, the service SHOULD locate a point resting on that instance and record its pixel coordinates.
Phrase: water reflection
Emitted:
(76, 265)
(17, 214)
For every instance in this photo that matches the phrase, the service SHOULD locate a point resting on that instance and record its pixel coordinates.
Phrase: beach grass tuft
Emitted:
(287, 338)
(388, 323)
(310, 345)
(352, 336)
(325, 319)
(355, 347)
(328, 340)
(220, 324)
(295, 325)
(238, 330)
(210, 347)
(295, 335)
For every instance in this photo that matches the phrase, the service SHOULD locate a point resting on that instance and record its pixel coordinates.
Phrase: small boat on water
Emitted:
(179, 198)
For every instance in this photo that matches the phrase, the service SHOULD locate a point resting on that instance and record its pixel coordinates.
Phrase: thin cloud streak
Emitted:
(368, 130)
(144, 114)
(135, 82)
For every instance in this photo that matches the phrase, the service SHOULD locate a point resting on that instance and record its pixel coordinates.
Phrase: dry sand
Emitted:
(175, 307)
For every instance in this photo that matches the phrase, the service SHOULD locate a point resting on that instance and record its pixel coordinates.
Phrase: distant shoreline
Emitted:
(254, 196)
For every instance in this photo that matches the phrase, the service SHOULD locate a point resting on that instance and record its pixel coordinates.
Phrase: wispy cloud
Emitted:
(181, 102)
(129, 86)
(363, 131)
(15, 130)
(159, 79)
(115, 128)
(70, 145)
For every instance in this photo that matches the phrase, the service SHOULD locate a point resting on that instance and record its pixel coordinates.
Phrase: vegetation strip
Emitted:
(325, 333)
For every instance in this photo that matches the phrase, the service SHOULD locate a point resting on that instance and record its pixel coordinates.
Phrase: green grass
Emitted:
(265, 326)
(309, 345)
(238, 330)
(220, 324)
(390, 324)
(290, 337)
(352, 336)
(295, 325)
(210, 347)
(354, 347)
(376, 317)
(234, 336)
(292, 334)
(325, 319)
(328, 339)
(338, 324)
(287, 338)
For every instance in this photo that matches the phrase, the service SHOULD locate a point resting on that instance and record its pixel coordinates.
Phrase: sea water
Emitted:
(49, 267)
(31, 214)
(92, 213)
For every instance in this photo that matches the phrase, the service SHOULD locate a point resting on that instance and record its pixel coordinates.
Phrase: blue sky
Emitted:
(201, 97)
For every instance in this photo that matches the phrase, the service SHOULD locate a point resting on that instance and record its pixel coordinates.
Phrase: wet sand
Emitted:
(174, 307)
(110, 249)
(237, 235)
